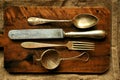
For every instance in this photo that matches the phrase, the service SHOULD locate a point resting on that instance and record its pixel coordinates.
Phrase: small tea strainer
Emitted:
(50, 59)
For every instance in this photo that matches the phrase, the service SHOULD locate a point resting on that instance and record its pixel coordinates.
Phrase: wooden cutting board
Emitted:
(20, 60)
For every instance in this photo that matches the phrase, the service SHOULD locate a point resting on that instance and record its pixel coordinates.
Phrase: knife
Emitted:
(53, 34)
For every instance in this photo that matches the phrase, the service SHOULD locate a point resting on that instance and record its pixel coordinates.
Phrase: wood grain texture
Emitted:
(1, 40)
(18, 59)
(112, 74)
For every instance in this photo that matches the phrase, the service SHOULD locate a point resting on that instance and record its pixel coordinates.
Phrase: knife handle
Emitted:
(96, 34)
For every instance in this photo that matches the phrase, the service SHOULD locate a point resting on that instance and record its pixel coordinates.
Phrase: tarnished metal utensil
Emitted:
(50, 59)
(71, 45)
(53, 34)
(81, 21)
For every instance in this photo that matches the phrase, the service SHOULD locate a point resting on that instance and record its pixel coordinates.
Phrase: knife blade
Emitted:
(53, 34)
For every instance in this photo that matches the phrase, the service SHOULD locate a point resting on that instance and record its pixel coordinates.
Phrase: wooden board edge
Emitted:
(1, 40)
(73, 72)
(102, 7)
(31, 72)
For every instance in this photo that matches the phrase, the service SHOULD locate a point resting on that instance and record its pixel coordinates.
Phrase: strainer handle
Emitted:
(76, 57)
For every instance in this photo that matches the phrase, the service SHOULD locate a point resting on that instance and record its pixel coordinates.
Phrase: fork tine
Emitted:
(81, 49)
(79, 42)
(83, 44)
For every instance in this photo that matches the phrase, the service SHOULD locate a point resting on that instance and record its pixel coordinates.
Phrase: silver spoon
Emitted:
(82, 21)
(50, 59)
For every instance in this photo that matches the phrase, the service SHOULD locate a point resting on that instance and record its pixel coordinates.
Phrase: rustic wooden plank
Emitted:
(111, 75)
(16, 18)
(26, 66)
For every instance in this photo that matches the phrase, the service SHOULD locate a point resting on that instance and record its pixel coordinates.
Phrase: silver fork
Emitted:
(71, 45)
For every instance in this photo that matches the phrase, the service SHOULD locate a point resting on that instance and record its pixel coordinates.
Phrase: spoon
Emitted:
(50, 59)
(82, 21)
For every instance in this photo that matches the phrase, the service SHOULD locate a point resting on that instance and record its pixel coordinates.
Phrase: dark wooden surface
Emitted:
(114, 71)
(21, 60)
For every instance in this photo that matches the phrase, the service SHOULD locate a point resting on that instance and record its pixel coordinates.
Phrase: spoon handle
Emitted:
(36, 21)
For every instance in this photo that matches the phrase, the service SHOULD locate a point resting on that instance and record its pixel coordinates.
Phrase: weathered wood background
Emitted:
(112, 74)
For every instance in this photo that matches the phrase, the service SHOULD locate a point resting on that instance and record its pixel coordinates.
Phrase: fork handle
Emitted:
(96, 34)
(38, 45)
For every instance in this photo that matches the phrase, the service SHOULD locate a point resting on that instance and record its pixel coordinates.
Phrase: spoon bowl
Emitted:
(84, 21)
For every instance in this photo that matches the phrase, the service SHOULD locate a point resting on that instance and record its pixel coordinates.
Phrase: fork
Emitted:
(71, 45)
